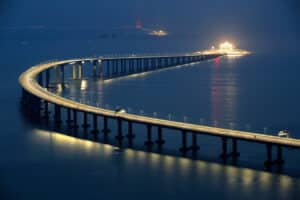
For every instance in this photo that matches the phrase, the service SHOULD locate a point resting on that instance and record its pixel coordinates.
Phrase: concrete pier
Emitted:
(95, 70)
(105, 129)
(130, 134)
(75, 125)
(85, 124)
(194, 146)
(119, 137)
(57, 115)
(160, 141)
(62, 75)
(74, 71)
(149, 143)
(69, 120)
(184, 148)
(80, 70)
(95, 130)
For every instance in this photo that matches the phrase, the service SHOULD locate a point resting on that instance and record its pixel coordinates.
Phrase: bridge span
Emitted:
(37, 99)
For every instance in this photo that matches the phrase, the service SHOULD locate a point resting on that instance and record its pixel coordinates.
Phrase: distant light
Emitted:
(159, 33)
(226, 46)
(217, 60)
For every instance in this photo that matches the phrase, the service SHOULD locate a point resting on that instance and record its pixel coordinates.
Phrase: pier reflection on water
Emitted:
(171, 172)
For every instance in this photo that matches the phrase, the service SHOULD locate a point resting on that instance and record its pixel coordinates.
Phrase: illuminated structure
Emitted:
(228, 49)
(159, 33)
(36, 100)
(226, 46)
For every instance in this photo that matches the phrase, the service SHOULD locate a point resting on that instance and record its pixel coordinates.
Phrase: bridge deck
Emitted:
(29, 83)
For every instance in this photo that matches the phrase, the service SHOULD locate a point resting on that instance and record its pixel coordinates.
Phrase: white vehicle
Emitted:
(120, 110)
(283, 133)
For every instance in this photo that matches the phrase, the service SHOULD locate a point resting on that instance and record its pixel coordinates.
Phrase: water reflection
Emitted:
(89, 93)
(83, 84)
(223, 94)
(169, 169)
(67, 144)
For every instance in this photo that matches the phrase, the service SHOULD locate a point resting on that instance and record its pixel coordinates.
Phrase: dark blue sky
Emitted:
(240, 20)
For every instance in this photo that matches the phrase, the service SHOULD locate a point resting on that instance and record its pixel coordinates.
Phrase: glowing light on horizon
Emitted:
(226, 48)
(159, 33)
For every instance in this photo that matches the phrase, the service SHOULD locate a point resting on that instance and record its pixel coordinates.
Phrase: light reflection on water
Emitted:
(223, 96)
(168, 168)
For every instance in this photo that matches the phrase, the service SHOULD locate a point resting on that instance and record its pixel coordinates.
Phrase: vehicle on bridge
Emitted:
(120, 110)
(283, 133)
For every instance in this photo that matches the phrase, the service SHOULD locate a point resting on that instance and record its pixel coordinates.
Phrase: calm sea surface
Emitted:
(259, 92)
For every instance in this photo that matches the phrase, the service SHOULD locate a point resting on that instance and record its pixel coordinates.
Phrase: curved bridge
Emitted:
(36, 98)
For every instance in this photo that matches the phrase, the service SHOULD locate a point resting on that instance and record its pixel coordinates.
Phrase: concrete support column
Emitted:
(74, 71)
(121, 66)
(130, 134)
(75, 125)
(166, 62)
(140, 65)
(133, 66)
(145, 64)
(117, 66)
(85, 124)
(159, 62)
(46, 110)
(80, 70)
(152, 64)
(160, 141)
(119, 137)
(95, 68)
(269, 160)
(235, 152)
(95, 130)
(62, 77)
(108, 68)
(149, 142)
(57, 114)
(224, 148)
(173, 61)
(279, 155)
(184, 147)
(114, 71)
(69, 120)
(126, 66)
(100, 69)
(56, 74)
(130, 66)
(105, 130)
(194, 146)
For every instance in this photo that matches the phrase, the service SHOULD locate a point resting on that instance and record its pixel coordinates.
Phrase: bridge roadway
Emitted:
(29, 83)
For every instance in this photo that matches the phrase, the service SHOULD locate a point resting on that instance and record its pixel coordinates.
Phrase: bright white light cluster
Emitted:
(226, 46)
